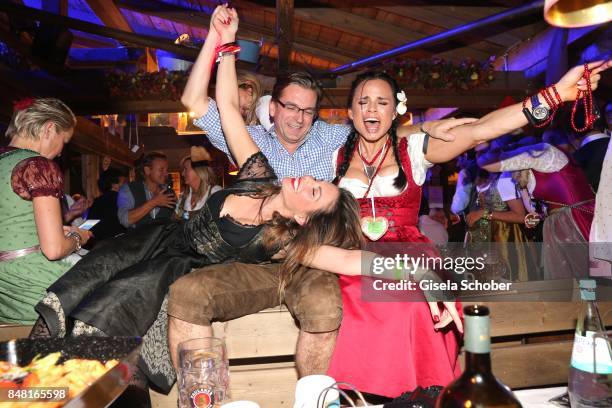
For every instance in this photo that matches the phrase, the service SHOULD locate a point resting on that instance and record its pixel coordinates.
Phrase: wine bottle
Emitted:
(590, 380)
(477, 387)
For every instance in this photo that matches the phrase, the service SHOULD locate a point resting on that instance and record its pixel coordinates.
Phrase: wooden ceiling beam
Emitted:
(357, 25)
(456, 15)
(23, 49)
(284, 33)
(81, 41)
(200, 19)
(109, 14)
(422, 17)
(55, 6)
(128, 37)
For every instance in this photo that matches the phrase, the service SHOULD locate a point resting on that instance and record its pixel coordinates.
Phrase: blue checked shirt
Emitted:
(313, 157)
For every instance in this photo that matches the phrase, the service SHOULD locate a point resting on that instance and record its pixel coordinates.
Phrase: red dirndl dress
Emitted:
(387, 348)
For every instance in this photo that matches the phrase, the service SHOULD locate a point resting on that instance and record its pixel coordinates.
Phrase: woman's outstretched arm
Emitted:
(195, 95)
(505, 120)
(238, 140)
(354, 262)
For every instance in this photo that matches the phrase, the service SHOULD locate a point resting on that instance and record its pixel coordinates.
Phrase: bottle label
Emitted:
(477, 337)
(582, 354)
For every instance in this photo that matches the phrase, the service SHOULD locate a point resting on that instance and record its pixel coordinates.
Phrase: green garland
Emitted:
(430, 74)
(440, 74)
(162, 85)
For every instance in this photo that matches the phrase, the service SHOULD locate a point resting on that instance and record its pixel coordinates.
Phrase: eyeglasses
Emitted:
(309, 112)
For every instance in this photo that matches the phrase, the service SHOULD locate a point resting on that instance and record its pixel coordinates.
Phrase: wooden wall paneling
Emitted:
(284, 33)
(90, 138)
(90, 173)
(270, 385)
(531, 365)
(271, 332)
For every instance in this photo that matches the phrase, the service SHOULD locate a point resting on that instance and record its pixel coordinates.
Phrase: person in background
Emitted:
(104, 168)
(433, 222)
(74, 208)
(465, 185)
(104, 208)
(592, 150)
(33, 241)
(554, 181)
(496, 214)
(200, 180)
(249, 92)
(141, 202)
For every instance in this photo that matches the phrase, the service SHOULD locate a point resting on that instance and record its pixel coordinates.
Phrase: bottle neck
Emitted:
(477, 344)
(477, 363)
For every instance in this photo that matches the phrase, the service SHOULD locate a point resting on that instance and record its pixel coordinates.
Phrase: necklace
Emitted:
(369, 167)
(587, 102)
(374, 227)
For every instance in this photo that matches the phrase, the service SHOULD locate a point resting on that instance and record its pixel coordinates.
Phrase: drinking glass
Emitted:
(203, 376)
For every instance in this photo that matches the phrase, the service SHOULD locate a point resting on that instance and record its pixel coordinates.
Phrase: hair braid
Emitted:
(400, 180)
(349, 148)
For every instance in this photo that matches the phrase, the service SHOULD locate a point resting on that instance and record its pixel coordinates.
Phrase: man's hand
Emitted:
(439, 129)
(164, 198)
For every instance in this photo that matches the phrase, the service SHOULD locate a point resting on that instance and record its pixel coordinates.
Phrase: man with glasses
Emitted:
(297, 144)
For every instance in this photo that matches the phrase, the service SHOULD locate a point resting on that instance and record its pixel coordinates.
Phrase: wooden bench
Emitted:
(13, 331)
(532, 334)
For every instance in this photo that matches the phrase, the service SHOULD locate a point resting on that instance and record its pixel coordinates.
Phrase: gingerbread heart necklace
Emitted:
(374, 227)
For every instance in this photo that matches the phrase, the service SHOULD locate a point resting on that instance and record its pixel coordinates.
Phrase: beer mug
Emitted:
(203, 375)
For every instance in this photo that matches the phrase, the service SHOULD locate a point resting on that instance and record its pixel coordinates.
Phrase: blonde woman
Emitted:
(33, 241)
(249, 92)
(200, 180)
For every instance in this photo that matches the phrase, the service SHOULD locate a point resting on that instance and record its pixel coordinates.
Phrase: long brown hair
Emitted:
(336, 226)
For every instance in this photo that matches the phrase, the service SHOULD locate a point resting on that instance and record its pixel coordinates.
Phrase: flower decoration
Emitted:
(162, 85)
(440, 74)
(401, 103)
(22, 104)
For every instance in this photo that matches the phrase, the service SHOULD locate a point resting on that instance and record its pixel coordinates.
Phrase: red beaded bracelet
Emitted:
(226, 49)
(553, 106)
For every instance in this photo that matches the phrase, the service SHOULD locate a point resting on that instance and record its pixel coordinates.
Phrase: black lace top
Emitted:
(217, 237)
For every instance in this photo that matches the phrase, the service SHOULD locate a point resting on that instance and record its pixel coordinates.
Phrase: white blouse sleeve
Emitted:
(335, 161)
(506, 187)
(418, 163)
(544, 158)
(463, 192)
